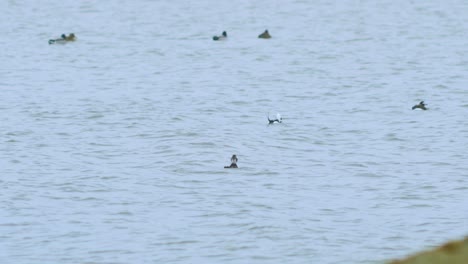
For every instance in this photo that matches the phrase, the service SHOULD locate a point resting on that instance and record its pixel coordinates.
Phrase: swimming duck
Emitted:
(421, 105)
(233, 163)
(63, 39)
(70, 37)
(278, 119)
(265, 35)
(223, 36)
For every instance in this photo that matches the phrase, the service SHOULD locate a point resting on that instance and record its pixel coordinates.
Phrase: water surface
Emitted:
(113, 146)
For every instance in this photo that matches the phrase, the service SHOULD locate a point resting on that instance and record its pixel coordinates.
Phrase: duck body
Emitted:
(221, 37)
(278, 119)
(273, 121)
(70, 37)
(57, 41)
(232, 166)
(421, 106)
(265, 35)
(63, 39)
(233, 163)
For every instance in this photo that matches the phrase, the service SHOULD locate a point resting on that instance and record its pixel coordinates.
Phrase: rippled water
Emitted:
(113, 146)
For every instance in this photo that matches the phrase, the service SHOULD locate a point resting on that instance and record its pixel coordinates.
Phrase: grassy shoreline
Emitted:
(452, 252)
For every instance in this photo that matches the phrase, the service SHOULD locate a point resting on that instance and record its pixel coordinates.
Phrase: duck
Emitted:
(63, 39)
(278, 119)
(265, 35)
(223, 36)
(421, 105)
(71, 37)
(233, 163)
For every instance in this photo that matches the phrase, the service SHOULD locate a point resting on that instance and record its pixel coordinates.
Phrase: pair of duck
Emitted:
(264, 35)
(63, 39)
(233, 165)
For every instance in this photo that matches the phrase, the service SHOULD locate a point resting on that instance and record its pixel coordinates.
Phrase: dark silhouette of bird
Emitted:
(233, 163)
(421, 105)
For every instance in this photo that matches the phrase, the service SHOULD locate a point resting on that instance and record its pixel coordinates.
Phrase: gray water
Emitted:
(113, 147)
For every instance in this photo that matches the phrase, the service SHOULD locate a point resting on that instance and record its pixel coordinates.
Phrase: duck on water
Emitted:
(233, 163)
(265, 35)
(63, 39)
(421, 106)
(223, 36)
(278, 119)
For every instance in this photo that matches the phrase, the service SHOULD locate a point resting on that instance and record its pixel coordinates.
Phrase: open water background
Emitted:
(112, 147)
